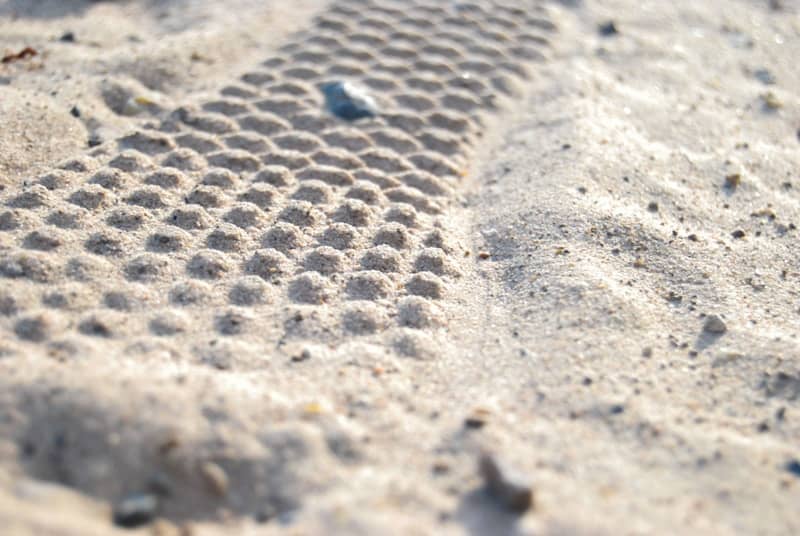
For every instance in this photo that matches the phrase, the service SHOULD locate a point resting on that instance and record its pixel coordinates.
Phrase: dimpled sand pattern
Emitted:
(261, 209)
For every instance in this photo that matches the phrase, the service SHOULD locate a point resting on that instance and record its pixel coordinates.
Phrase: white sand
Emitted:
(592, 236)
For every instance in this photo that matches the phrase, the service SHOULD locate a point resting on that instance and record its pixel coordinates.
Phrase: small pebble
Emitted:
(507, 487)
(477, 419)
(135, 510)
(348, 101)
(714, 325)
(733, 181)
(608, 29)
(652, 206)
(738, 233)
(793, 466)
(67, 37)
(216, 478)
(771, 101)
(75, 111)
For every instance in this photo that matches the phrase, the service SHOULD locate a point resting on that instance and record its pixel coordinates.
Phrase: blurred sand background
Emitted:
(645, 179)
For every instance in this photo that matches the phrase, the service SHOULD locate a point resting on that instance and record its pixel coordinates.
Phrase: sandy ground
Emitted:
(596, 283)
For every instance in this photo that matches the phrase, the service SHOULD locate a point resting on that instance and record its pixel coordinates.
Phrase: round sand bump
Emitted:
(300, 213)
(249, 291)
(221, 178)
(199, 142)
(208, 264)
(127, 218)
(275, 175)
(146, 268)
(130, 160)
(169, 323)
(43, 240)
(63, 218)
(184, 159)
(190, 292)
(245, 215)
(206, 197)
(149, 197)
(284, 237)
(339, 236)
(261, 195)
(425, 284)
(434, 260)
(166, 178)
(168, 240)
(363, 318)
(382, 258)
(417, 312)
(38, 327)
(232, 322)
(107, 243)
(311, 288)
(354, 212)
(110, 179)
(315, 192)
(268, 264)
(402, 213)
(394, 235)
(247, 141)
(89, 268)
(369, 285)
(190, 218)
(325, 260)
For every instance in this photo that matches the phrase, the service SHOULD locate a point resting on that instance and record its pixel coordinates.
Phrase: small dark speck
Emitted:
(582, 189)
(94, 141)
(616, 409)
(653, 206)
(566, 146)
(738, 233)
(75, 111)
(608, 29)
(68, 37)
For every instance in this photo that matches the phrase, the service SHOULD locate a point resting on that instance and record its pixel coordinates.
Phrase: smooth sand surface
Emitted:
(566, 245)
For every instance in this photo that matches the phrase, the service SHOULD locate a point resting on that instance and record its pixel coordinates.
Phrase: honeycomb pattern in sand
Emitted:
(246, 213)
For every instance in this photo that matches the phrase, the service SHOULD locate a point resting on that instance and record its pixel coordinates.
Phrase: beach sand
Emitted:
(567, 243)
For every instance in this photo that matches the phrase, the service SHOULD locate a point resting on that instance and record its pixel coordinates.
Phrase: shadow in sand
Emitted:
(43, 9)
(480, 514)
(704, 340)
(53, 9)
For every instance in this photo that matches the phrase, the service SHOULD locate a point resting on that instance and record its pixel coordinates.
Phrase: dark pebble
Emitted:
(608, 29)
(68, 37)
(738, 233)
(75, 111)
(793, 466)
(95, 140)
(135, 510)
(505, 486)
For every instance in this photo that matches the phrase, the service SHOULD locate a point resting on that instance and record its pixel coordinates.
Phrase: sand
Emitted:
(567, 245)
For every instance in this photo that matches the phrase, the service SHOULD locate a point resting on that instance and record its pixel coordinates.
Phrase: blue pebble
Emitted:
(347, 101)
(793, 467)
